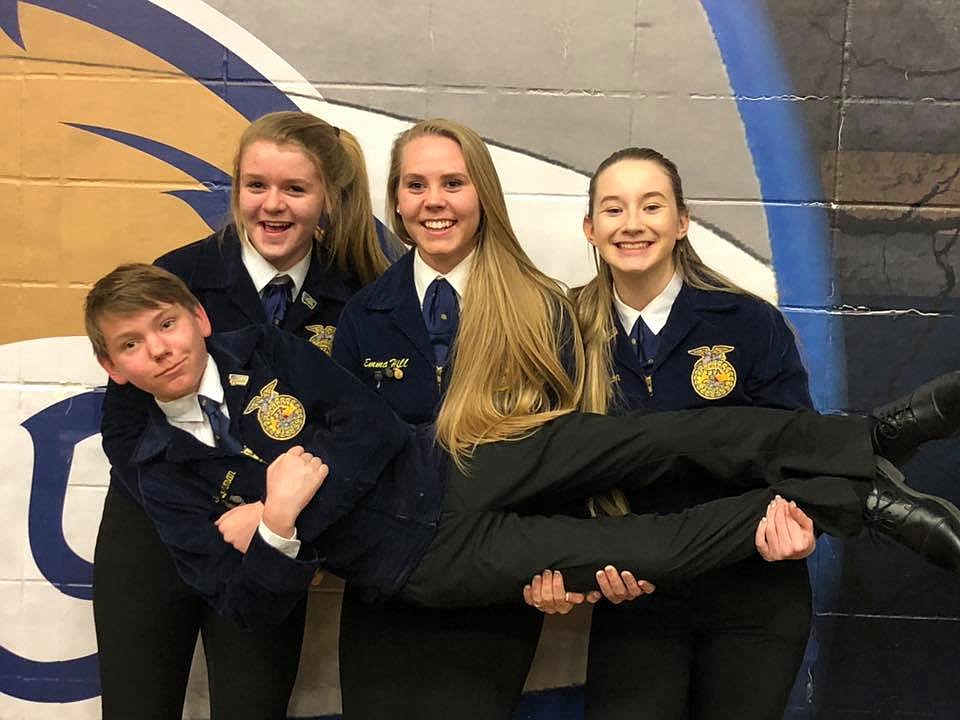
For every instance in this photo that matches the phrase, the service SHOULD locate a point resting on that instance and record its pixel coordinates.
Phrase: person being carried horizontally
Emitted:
(389, 509)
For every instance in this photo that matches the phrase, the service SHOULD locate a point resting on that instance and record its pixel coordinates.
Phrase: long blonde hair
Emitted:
(349, 235)
(508, 376)
(594, 303)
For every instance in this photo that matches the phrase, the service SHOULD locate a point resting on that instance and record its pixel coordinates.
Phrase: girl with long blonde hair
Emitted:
(465, 331)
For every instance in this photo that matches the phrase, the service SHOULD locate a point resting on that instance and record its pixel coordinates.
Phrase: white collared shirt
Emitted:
(655, 313)
(423, 275)
(262, 272)
(185, 413)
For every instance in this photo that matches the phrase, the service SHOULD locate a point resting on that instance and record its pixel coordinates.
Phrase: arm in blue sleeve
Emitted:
(125, 412)
(255, 589)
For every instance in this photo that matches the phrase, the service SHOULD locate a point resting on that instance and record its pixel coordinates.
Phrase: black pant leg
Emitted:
(581, 454)
(743, 631)
(487, 556)
(401, 662)
(637, 676)
(252, 673)
(146, 618)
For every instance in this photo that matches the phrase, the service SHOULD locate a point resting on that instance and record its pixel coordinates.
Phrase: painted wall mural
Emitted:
(818, 144)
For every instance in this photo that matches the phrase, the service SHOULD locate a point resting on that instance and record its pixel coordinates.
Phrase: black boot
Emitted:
(927, 524)
(931, 412)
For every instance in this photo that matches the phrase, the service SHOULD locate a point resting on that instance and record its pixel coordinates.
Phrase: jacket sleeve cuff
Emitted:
(277, 572)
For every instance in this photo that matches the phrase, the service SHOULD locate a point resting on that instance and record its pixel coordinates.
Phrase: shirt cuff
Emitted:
(288, 546)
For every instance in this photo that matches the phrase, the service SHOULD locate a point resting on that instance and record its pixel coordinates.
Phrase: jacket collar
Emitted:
(691, 308)
(220, 267)
(232, 353)
(395, 294)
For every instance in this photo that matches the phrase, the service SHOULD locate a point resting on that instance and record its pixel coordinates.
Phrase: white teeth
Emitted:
(438, 224)
(276, 226)
(633, 245)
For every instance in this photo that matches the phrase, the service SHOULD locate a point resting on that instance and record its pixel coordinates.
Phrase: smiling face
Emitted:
(636, 223)
(437, 201)
(160, 350)
(281, 198)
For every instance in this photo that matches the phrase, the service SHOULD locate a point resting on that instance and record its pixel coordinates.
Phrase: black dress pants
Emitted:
(726, 646)
(147, 622)
(403, 662)
(484, 552)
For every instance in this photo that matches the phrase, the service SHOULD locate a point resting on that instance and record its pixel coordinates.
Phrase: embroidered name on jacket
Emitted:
(713, 376)
(391, 364)
(281, 417)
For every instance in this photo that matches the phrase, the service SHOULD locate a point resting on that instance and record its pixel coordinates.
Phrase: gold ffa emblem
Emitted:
(713, 376)
(322, 336)
(281, 417)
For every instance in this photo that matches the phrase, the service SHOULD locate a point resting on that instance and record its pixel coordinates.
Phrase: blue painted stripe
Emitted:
(180, 44)
(789, 183)
(10, 21)
(55, 432)
(60, 681)
(212, 204)
(799, 230)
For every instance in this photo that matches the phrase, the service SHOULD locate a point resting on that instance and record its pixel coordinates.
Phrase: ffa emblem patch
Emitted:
(281, 417)
(322, 336)
(713, 376)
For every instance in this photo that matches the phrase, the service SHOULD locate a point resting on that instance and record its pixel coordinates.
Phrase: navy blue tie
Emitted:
(220, 425)
(441, 314)
(645, 342)
(276, 297)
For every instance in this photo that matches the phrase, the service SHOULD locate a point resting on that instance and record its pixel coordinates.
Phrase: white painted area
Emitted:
(14, 709)
(744, 269)
(37, 621)
(553, 239)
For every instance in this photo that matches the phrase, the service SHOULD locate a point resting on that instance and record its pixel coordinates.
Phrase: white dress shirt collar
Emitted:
(262, 272)
(423, 275)
(655, 313)
(185, 412)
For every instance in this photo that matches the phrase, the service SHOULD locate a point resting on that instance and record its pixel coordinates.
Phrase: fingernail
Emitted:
(599, 573)
(609, 568)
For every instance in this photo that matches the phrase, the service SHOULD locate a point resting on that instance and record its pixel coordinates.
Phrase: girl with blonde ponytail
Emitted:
(663, 331)
(302, 241)
(465, 331)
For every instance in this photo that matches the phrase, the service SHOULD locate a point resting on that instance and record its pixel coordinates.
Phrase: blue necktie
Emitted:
(441, 314)
(220, 425)
(276, 297)
(645, 342)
